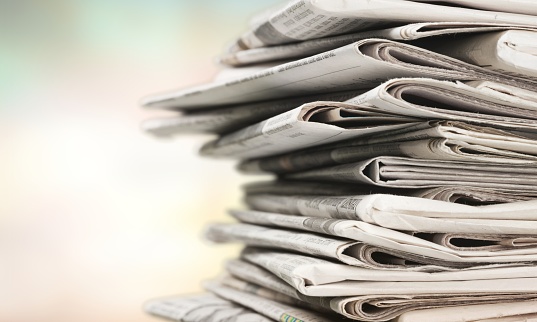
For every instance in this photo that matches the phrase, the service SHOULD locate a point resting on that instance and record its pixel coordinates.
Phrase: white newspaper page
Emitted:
(368, 307)
(299, 128)
(382, 110)
(197, 308)
(511, 52)
(501, 312)
(255, 274)
(361, 65)
(446, 140)
(316, 277)
(311, 244)
(510, 92)
(403, 33)
(272, 309)
(434, 99)
(259, 290)
(293, 187)
(479, 242)
(401, 172)
(309, 19)
(228, 119)
(407, 213)
(438, 246)
(345, 251)
(454, 194)
(474, 195)
(432, 149)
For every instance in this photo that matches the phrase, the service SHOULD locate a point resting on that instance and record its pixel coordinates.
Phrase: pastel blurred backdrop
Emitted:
(95, 216)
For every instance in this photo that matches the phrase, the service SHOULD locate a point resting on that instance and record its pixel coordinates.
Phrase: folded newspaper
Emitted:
(453, 141)
(361, 65)
(407, 213)
(309, 19)
(318, 277)
(201, 307)
(401, 172)
(272, 309)
(448, 247)
(408, 32)
(517, 311)
(511, 52)
(366, 307)
(301, 127)
(395, 105)
(455, 194)
(486, 103)
(232, 118)
(356, 253)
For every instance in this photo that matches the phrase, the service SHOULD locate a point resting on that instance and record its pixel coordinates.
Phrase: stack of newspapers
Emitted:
(402, 139)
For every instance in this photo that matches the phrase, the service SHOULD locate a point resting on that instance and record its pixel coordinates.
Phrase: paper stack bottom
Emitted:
(402, 137)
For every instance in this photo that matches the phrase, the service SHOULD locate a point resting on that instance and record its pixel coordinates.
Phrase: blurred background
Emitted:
(95, 216)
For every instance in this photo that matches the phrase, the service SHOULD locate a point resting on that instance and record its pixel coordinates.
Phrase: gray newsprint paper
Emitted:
(370, 307)
(511, 52)
(407, 213)
(310, 19)
(439, 140)
(347, 251)
(260, 290)
(482, 103)
(374, 242)
(402, 33)
(402, 172)
(394, 107)
(519, 311)
(202, 307)
(318, 277)
(302, 127)
(232, 118)
(274, 310)
(361, 65)
(455, 194)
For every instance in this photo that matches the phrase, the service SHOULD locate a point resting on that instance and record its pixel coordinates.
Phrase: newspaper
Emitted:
(269, 308)
(407, 213)
(459, 194)
(232, 118)
(474, 195)
(521, 311)
(297, 187)
(317, 277)
(309, 19)
(201, 307)
(400, 172)
(402, 33)
(437, 140)
(360, 65)
(482, 242)
(300, 127)
(510, 52)
(509, 92)
(384, 109)
(441, 100)
(427, 246)
(343, 250)
(367, 307)
(269, 292)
